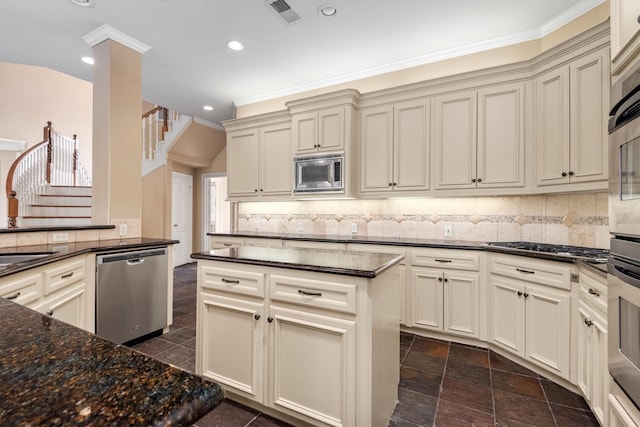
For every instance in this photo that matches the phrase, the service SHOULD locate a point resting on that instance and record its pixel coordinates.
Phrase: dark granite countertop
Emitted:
(346, 263)
(54, 374)
(417, 243)
(55, 228)
(59, 251)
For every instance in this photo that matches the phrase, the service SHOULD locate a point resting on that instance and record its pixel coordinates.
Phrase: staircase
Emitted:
(59, 205)
(47, 186)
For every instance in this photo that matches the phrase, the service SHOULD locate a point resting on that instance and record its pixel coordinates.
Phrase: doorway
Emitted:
(182, 217)
(216, 213)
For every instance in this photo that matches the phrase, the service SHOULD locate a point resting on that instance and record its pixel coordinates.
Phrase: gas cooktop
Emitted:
(579, 252)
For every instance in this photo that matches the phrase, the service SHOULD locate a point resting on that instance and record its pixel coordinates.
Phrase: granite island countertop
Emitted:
(347, 263)
(52, 373)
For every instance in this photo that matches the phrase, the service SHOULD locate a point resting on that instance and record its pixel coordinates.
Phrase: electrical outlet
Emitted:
(59, 237)
(256, 226)
(448, 231)
(354, 227)
(300, 227)
(123, 230)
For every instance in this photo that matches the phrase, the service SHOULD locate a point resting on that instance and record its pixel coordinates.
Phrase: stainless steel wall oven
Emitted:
(624, 221)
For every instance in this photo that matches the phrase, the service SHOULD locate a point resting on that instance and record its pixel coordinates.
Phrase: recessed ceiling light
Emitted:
(235, 45)
(83, 3)
(87, 60)
(208, 108)
(327, 10)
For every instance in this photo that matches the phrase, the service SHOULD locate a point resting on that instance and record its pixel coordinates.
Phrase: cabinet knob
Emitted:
(446, 280)
(391, 184)
(564, 174)
(526, 295)
(638, 19)
(588, 322)
(473, 180)
(255, 190)
(571, 173)
(439, 279)
(49, 313)
(261, 190)
(519, 293)
(269, 319)
(395, 183)
(479, 179)
(256, 316)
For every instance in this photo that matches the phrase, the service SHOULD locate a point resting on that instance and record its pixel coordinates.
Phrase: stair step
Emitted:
(63, 190)
(58, 211)
(53, 221)
(55, 200)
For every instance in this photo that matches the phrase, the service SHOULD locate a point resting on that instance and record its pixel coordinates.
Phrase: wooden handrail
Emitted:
(165, 117)
(14, 165)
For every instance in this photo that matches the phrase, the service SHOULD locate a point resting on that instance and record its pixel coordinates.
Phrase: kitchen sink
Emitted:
(6, 259)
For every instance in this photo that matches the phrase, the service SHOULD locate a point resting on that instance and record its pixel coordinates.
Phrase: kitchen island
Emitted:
(309, 336)
(52, 373)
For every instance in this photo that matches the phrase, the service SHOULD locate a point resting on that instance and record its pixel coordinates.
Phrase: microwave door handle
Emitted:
(625, 110)
(625, 274)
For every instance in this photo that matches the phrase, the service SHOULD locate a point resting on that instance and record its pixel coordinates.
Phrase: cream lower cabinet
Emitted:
(591, 328)
(529, 316)
(447, 299)
(61, 290)
(300, 344)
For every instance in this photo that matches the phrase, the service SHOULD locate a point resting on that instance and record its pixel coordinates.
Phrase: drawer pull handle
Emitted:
(588, 322)
(14, 296)
(309, 294)
(233, 282)
(442, 260)
(256, 316)
(66, 276)
(49, 313)
(593, 292)
(522, 270)
(228, 244)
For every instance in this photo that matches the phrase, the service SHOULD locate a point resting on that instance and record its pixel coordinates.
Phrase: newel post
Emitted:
(47, 135)
(12, 205)
(75, 160)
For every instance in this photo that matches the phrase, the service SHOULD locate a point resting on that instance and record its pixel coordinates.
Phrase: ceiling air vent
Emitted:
(282, 8)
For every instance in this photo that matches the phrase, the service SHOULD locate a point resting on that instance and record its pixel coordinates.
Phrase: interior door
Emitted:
(181, 217)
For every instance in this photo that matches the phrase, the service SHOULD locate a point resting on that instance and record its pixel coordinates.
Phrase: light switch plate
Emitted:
(448, 231)
(59, 237)
(123, 230)
(300, 227)
(354, 227)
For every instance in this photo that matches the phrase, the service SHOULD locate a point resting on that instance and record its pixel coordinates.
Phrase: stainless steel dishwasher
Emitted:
(131, 294)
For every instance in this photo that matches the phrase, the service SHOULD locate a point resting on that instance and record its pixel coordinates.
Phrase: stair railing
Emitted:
(54, 161)
(155, 123)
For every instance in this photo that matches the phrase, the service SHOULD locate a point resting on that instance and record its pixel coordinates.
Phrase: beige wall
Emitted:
(31, 96)
(198, 145)
(491, 58)
(156, 203)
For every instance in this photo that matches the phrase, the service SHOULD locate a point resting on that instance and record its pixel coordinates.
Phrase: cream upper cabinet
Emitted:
(259, 162)
(479, 138)
(319, 131)
(625, 33)
(394, 144)
(571, 129)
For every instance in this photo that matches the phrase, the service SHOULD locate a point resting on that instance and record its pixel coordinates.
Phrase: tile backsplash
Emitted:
(574, 219)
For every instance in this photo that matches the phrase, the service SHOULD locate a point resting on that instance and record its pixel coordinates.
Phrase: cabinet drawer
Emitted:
(66, 274)
(544, 273)
(313, 293)
(22, 289)
(233, 281)
(226, 242)
(594, 293)
(446, 258)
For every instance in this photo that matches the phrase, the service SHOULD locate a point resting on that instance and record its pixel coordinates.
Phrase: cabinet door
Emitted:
(231, 350)
(68, 306)
(455, 141)
(276, 161)
(589, 78)
(552, 127)
(548, 314)
(461, 304)
(427, 306)
(508, 316)
(331, 129)
(501, 136)
(376, 136)
(313, 366)
(243, 163)
(305, 133)
(625, 32)
(411, 146)
(585, 352)
(593, 375)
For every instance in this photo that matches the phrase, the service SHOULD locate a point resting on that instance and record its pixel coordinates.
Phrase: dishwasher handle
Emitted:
(131, 257)
(136, 261)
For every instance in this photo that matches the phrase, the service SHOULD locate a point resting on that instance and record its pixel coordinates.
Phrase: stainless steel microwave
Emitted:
(319, 173)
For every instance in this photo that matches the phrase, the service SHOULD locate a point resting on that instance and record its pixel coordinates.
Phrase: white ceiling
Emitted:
(189, 64)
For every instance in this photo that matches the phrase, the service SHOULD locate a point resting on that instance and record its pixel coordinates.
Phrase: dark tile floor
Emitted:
(441, 383)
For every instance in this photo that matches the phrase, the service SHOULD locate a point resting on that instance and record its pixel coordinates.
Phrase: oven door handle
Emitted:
(617, 268)
(626, 110)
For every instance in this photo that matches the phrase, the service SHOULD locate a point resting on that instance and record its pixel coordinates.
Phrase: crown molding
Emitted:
(105, 32)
